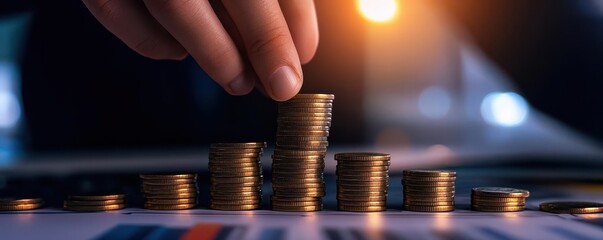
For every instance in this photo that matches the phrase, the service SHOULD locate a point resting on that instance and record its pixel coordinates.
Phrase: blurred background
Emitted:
(432, 82)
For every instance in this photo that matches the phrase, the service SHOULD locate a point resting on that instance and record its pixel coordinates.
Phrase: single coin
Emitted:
(169, 181)
(235, 202)
(302, 185)
(299, 171)
(497, 199)
(236, 185)
(170, 206)
(295, 166)
(421, 194)
(236, 165)
(362, 168)
(314, 160)
(234, 194)
(171, 201)
(234, 155)
(298, 189)
(362, 156)
(363, 198)
(255, 197)
(93, 202)
(293, 182)
(289, 123)
(167, 176)
(96, 197)
(174, 187)
(500, 192)
(377, 188)
(306, 105)
(429, 189)
(572, 207)
(20, 207)
(428, 203)
(363, 163)
(242, 207)
(302, 143)
(235, 189)
(428, 199)
(15, 201)
(498, 204)
(340, 173)
(297, 209)
(296, 204)
(285, 128)
(362, 179)
(297, 194)
(313, 96)
(322, 149)
(302, 133)
(416, 208)
(361, 209)
(295, 199)
(411, 184)
(96, 208)
(325, 118)
(360, 184)
(361, 203)
(228, 170)
(219, 160)
(239, 145)
(428, 179)
(282, 152)
(429, 173)
(497, 209)
(303, 100)
(218, 151)
(284, 108)
(236, 179)
(361, 195)
(172, 195)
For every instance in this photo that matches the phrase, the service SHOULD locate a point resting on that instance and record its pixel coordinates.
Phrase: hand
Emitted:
(237, 42)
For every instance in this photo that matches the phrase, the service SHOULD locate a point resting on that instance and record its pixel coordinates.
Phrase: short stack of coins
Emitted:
(498, 199)
(362, 181)
(429, 190)
(301, 145)
(20, 204)
(236, 176)
(170, 191)
(94, 203)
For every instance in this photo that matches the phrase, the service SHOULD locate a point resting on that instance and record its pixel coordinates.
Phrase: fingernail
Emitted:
(284, 83)
(240, 85)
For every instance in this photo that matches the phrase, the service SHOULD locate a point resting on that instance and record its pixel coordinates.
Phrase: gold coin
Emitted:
(428, 203)
(239, 145)
(303, 173)
(236, 202)
(498, 199)
(296, 209)
(362, 168)
(363, 188)
(218, 151)
(303, 185)
(363, 198)
(96, 197)
(428, 179)
(235, 165)
(499, 192)
(292, 182)
(303, 100)
(359, 184)
(235, 189)
(224, 180)
(295, 199)
(304, 110)
(289, 123)
(169, 187)
(93, 202)
(362, 195)
(170, 206)
(171, 201)
(429, 189)
(298, 189)
(497, 209)
(322, 133)
(292, 166)
(322, 149)
(353, 164)
(296, 203)
(302, 143)
(221, 169)
(572, 207)
(297, 194)
(340, 173)
(429, 173)
(362, 179)
(428, 194)
(20, 207)
(325, 118)
(282, 152)
(306, 105)
(428, 199)
(96, 208)
(313, 96)
(169, 181)
(167, 176)
(362, 156)
(361, 203)
(243, 207)
(237, 174)
(232, 160)
(411, 184)
(300, 161)
(16, 201)
(171, 195)
(415, 208)
(234, 155)
(498, 204)
(361, 209)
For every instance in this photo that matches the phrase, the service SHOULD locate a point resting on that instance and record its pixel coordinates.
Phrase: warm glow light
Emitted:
(378, 10)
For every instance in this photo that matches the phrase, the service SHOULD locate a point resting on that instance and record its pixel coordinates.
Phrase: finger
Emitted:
(301, 19)
(133, 24)
(195, 25)
(269, 45)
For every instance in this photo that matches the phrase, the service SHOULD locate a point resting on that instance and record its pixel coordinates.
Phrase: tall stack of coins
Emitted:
(93, 203)
(298, 159)
(20, 204)
(169, 191)
(498, 199)
(429, 190)
(236, 176)
(362, 181)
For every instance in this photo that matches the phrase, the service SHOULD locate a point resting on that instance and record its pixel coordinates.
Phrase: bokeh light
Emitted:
(378, 10)
(434, 102)
(506, 109)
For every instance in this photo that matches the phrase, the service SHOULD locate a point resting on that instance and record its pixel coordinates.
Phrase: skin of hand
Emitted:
(238, 43)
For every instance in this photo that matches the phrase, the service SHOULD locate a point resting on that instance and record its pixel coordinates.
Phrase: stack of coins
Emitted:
(170, 191)
(236, 176)
(498, 199)
(429, 190)
(92, 203)
(301, 145)
(20, 204)
(362, 181)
